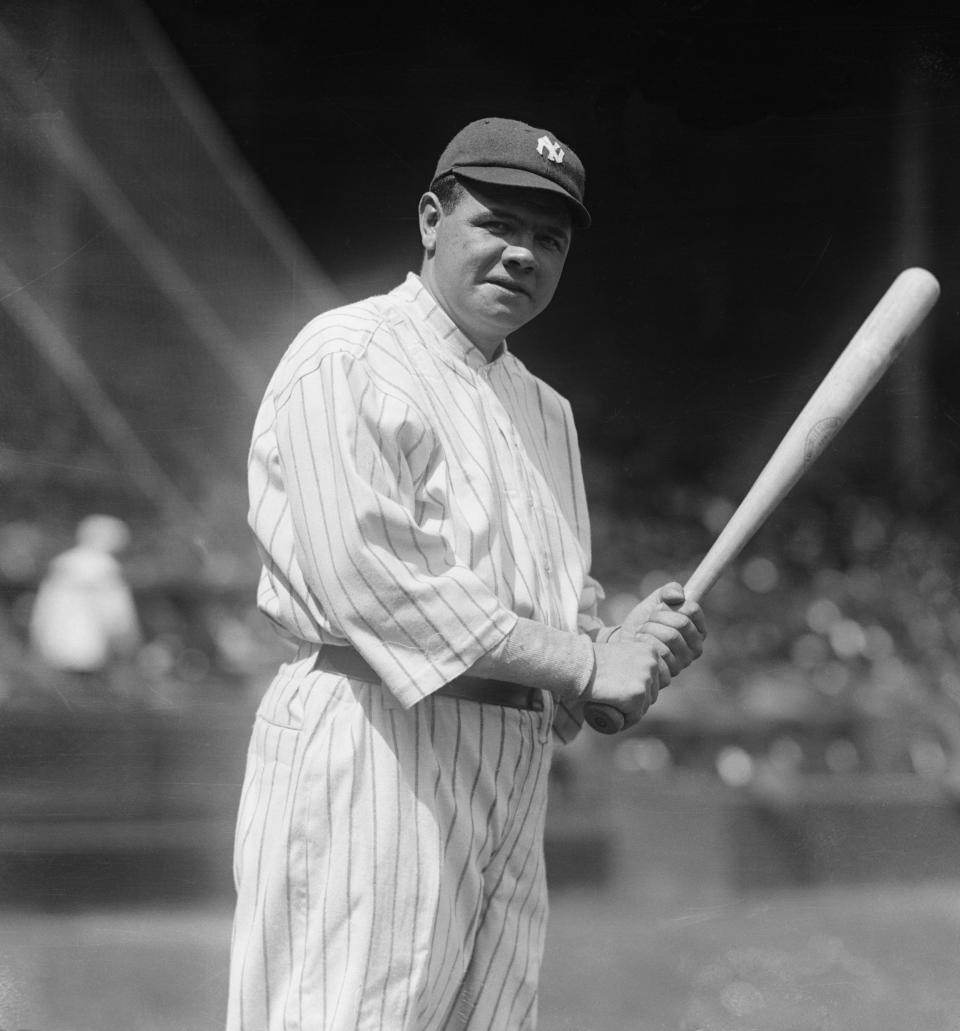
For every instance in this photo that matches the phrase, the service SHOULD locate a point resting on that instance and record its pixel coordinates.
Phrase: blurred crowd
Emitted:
(833, 640)
(108, 613)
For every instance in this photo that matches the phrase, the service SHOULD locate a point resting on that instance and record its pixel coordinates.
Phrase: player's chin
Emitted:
(512, 310)
(508, 322)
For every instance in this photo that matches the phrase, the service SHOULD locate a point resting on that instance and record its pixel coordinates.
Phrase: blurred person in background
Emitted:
(417, 499)
(84, 620)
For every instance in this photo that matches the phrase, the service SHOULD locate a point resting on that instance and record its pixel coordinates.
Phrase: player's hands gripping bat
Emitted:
(854, 374)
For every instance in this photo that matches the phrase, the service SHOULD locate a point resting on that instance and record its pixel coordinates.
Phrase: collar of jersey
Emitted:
(454, 341)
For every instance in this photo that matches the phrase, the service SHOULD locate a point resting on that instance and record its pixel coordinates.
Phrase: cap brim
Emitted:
(527, 180)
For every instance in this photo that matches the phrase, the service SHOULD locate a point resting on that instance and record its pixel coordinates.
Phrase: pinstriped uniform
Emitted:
(412, 500)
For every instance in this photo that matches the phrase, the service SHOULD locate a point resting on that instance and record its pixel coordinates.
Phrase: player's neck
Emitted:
(490, 347)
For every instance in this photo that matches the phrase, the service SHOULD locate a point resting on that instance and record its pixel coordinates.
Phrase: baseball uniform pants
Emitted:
(388, 862)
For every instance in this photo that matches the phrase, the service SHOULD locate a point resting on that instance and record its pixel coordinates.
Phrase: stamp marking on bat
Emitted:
(817, 436)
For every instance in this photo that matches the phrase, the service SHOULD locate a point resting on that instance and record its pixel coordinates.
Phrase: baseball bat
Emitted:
(853, 375)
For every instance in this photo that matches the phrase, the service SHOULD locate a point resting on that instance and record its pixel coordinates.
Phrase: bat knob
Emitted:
(605, 719)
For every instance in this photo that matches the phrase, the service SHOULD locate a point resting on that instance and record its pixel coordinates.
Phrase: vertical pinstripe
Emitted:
(412, 500)
(433, 906)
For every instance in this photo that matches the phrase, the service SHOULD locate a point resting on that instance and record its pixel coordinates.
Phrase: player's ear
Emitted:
(431, 214)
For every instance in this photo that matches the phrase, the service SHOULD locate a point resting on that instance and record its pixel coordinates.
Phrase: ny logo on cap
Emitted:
(554, 150)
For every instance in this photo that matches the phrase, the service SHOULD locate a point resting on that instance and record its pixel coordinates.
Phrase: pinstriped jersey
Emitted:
(411, 499)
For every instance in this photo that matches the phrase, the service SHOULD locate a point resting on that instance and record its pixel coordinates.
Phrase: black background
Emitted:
(745, 172)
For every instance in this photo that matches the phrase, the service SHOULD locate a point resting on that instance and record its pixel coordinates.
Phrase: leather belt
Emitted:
(348, 662)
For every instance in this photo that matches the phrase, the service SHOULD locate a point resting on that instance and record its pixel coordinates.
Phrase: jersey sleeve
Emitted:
(588, 619)
(352, 449)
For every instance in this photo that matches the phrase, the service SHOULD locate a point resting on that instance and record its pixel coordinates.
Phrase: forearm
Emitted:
(536, 655)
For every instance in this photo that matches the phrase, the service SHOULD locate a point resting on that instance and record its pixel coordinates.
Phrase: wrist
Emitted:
(562, 662)
(586, 691)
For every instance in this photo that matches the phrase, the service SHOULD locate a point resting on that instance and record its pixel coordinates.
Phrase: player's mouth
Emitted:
(511, 285)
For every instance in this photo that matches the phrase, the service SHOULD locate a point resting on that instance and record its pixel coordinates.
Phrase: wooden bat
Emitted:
(854, 374)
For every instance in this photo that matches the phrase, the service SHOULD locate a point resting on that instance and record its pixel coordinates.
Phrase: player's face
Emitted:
(493, 263)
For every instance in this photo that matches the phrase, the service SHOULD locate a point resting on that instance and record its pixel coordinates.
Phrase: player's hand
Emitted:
(629, 676)
(667, 617)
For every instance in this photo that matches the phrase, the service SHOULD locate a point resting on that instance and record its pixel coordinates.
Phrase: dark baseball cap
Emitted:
(504, 152)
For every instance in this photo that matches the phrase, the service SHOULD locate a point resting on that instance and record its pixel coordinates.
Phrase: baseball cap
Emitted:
(505, 152)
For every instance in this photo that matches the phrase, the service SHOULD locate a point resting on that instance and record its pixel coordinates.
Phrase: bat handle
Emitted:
(608, 719)
(605, 719)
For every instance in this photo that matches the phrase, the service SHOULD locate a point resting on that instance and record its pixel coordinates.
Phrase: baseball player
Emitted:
(417, 499)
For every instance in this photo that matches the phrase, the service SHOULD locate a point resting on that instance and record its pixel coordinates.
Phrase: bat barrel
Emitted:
(853, 375)
(863, 361)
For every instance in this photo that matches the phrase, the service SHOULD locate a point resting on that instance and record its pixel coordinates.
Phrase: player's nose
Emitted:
(519, 255)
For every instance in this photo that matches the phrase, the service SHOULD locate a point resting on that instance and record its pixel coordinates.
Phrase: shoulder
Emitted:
(352, 334)
(358, 350)
(348, 329)
(84, 563)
